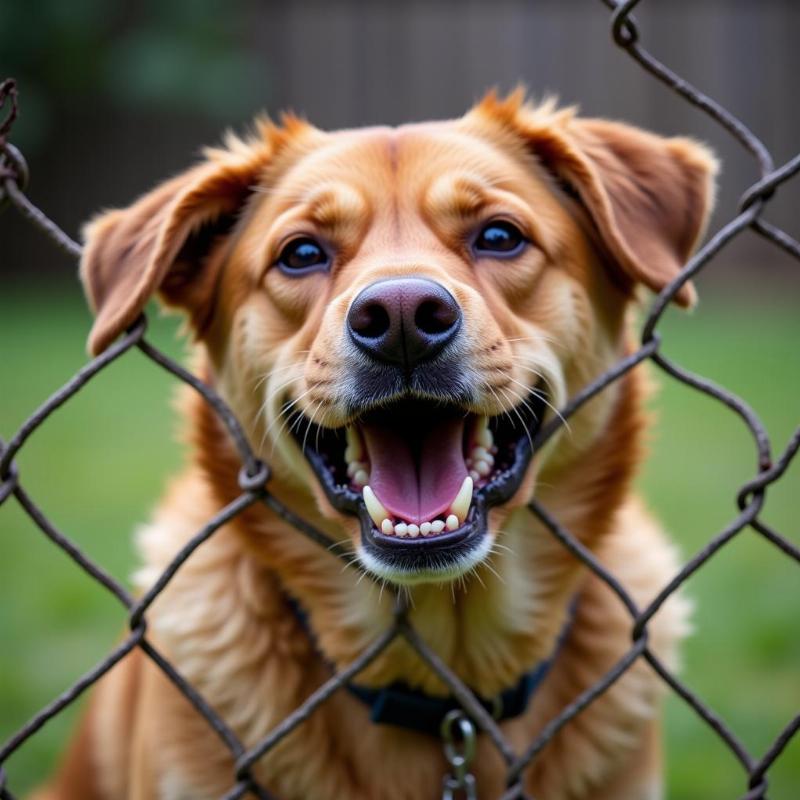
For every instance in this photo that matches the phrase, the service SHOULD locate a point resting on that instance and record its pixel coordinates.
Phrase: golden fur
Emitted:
(396, 202)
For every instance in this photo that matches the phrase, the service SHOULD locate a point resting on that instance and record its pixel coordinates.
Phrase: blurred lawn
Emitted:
(97, 467)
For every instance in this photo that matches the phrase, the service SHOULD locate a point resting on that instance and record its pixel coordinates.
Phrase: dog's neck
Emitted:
(492, 626)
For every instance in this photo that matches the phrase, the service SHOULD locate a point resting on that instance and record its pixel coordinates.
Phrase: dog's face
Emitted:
(392, 313)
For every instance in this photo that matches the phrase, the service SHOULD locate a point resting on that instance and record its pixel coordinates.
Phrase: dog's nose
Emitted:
(403, 320)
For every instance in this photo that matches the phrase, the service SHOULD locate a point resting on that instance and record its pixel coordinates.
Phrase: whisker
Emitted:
(491, 569)
(543, 397)
(265, 406)
(285, 418)
(475, 572)
(526, 366)
(504, 412)
(310, 422)
(536, 338)
(515, 409)
(275, 371)
(278, 368)
(340, 543)
(297, 420)
(277, 390)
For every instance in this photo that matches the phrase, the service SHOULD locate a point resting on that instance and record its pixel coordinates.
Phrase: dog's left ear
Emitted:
(164, 242)
(648, 196)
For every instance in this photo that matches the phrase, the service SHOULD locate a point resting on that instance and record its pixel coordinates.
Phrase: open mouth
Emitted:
(421, 476)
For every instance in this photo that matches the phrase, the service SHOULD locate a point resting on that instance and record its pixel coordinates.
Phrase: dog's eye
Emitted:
(304, 255)
(499, 239)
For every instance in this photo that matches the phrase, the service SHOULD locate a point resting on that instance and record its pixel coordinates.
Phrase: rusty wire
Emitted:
(254, 481)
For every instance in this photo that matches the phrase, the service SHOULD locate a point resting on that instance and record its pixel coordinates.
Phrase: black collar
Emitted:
(399, 704)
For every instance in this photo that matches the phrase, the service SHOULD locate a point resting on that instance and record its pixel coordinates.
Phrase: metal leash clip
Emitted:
(459, 737)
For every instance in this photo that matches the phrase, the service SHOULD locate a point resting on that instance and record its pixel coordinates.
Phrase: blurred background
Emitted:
(114, 96)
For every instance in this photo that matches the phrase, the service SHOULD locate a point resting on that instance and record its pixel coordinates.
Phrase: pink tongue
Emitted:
(416, 496)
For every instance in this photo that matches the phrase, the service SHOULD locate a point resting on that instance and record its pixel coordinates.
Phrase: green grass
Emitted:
(98, 465)
(744, 656)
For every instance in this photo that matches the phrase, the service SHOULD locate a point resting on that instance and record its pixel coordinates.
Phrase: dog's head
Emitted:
(393, 312)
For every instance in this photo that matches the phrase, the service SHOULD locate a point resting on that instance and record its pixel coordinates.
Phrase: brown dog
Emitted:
(391, 313)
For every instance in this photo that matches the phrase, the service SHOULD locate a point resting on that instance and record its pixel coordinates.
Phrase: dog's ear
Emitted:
(163, 242)
(649, 197)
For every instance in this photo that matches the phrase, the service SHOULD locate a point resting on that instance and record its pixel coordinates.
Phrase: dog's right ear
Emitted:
(162, 242)
(167, 240)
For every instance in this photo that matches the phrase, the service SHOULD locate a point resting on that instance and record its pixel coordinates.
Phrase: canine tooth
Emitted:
(425, 528)
(354, 450)
(401, 529)
(460, 506)
(413, 531)
(361, 478)
(474, 475)
(483, 468)
(483, 436)
(374, 506)
(387, 527)
(437, 526)
(451, 523)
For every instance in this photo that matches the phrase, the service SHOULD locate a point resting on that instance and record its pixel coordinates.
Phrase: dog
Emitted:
(392, 314)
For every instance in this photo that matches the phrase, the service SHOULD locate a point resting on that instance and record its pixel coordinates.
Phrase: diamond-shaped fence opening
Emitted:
(254, 484)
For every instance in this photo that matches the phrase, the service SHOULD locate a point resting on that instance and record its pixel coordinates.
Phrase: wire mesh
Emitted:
(254, 485)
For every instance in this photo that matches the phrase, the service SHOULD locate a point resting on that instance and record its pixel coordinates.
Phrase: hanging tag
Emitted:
(459, 738)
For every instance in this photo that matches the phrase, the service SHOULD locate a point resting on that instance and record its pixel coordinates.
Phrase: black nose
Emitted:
(403, 320)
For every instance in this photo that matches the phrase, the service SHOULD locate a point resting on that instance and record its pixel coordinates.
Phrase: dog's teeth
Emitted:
(374, 507)
(355, 466)
(460, 506)
(361, 478)
(451, 523)
(425, 528)
(479, 453)
(483, 468)
(401, 529)
(474, 475)
(483, 436)
(413, 531)
(387, 527)
(437, 526)
(354, 450)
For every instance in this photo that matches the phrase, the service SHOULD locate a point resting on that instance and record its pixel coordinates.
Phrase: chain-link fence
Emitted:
(254, 484)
